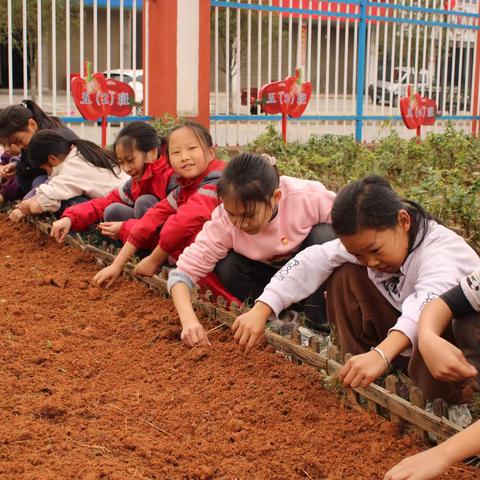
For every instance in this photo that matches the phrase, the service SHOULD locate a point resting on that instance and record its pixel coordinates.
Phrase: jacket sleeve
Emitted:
(147, 227)
(211, 245)
(182, 226)
(85, 214)
(303, 274)
(440, 267)
(62, 187)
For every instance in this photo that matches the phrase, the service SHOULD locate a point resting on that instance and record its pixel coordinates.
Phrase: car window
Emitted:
(117, 76)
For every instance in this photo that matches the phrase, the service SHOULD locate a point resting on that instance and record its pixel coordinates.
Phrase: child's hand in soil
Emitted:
(249, 328)
(110, 229)
(60, 229)
(106, 276)
(16, 215)
(194, 334)
(445, 361)
(423, 466)
(361, 370)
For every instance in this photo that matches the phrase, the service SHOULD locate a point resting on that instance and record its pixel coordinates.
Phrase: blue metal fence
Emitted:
(443, 66)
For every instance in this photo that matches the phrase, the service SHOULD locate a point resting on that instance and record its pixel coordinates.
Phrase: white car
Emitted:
(134, 78)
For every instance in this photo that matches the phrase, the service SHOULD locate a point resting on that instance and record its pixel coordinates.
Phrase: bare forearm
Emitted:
(183, 302)
(34, 207)
(125, 254)
(462, 445)
(395, 343)
(159, 256)
(435, 318)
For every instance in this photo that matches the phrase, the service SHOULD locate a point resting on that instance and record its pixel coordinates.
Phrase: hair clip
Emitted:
(270, 159)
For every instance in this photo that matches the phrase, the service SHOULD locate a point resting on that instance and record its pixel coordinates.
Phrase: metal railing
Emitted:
(48, 41)
(359, 55)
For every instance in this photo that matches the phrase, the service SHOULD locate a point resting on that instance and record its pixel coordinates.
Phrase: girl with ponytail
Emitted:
(18, 124)
(390, 260)
(78, 171)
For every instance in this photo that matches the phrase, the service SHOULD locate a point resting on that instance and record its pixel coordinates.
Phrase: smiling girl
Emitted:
(173, 223)
(390, 260)
(138, 151)
(264, 220)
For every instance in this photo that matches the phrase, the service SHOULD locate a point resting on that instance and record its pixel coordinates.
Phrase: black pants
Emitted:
(70, 203)
(246, 278)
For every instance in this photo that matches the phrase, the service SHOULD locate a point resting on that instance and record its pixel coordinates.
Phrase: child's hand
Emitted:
(60, 229)
(249, 328)
(194, 334)
(16, 215)
(423, 466)
(106, 276)
(8, 171)
(148, 267)
(445, 361)
(110, 229)
(361, 370)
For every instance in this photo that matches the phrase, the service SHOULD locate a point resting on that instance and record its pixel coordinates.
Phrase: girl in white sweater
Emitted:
(78, 171)
(390, 260)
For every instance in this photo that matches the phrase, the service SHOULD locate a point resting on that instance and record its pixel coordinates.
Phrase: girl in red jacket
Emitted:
(138, 150)
(173, 223)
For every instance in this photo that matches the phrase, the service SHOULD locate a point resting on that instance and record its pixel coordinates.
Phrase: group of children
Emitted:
(385, 274)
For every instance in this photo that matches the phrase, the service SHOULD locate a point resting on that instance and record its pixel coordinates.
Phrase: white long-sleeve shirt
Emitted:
(435, 266)
(73, 177)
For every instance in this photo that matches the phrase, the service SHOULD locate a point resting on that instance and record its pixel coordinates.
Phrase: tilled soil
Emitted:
(95, 384)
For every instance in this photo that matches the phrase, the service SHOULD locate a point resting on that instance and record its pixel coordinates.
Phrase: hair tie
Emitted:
(270, 159)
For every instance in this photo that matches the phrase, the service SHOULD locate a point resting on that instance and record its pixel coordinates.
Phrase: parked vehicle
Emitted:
(392, 89)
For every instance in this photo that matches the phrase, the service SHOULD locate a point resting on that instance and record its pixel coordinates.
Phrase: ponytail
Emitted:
(51, 142)
(41, 118)
(15, 118)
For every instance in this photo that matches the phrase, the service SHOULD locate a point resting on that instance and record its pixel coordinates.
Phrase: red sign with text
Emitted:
(417, 111)
(289, 97)
(96, 96)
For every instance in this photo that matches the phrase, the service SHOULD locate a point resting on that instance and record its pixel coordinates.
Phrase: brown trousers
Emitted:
(361, 317)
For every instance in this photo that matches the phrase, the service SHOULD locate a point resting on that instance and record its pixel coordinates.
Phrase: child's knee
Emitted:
(116, 212)
(143, 203)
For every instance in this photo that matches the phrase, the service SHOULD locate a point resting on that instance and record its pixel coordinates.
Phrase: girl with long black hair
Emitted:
(78, 171)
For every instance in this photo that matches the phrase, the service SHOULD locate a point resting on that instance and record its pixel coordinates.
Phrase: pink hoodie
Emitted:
(303, 204)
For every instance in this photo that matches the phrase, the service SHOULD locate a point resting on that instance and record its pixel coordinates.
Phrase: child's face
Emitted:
(383, 250)
(21, 139)
(132, 161)
(188, 157)
(11, 149)
(250, 222)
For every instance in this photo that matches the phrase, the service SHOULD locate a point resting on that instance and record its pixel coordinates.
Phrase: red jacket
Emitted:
(174, 222)
(154, 181)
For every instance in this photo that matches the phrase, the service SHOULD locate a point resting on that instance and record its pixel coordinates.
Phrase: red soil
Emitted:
(95, 385)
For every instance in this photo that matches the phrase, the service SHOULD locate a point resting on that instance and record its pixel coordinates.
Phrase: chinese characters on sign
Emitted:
(417, 111)
(288, 97)
(96, 97)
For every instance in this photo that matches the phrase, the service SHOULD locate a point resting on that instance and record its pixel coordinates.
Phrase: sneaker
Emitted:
(323, 328)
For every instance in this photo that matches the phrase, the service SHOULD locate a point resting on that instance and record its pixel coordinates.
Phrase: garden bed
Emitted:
(96, 385)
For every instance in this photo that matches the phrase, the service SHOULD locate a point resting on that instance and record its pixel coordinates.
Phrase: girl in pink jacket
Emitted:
(264, 220)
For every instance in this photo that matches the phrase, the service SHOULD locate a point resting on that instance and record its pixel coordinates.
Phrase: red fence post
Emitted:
(165, 59)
